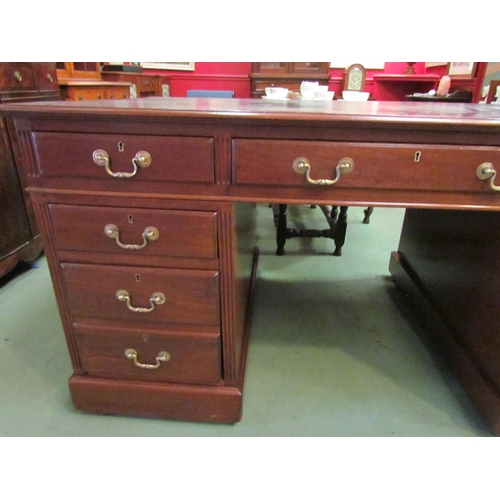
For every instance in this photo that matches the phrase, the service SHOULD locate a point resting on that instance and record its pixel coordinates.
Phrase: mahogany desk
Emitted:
(145, 207)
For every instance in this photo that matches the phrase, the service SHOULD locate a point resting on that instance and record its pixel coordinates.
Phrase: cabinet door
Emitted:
(64, 70)
(313, 68)
(86, 70)
(291, 68)
(16, 77)
(90, 70)
(270, 67)
(46, 76)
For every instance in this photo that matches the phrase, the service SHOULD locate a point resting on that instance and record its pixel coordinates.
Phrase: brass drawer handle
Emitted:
(50, 78)
(18, 76)
(163, 356)
(344, 166)
(141, 159)
(149, 234)
(485, 171)
(156, 299)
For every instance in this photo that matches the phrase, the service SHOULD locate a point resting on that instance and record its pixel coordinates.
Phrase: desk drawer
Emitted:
(178, 233)
(172, 296)
(190, 358)
(85, 93)
(170, 158)
(377, 166)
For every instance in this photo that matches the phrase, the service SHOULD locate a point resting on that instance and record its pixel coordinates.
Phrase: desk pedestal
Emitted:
(448, 262)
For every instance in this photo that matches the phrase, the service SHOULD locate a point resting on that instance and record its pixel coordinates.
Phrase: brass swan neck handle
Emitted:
(301, 166)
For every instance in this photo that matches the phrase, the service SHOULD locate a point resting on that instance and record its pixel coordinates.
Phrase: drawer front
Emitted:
(122, 92)
(260, 86)
(145, 84)
(188, 297)
(46, 74)
(191, 357)
(17, 76)
(86, 94)
(174, 159)
(377, 166)
(173, 233)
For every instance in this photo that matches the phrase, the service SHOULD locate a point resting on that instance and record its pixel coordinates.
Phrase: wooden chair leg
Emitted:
(280, 223)
(337, 220)
(367, 212)
(336, 217)
(340, 231)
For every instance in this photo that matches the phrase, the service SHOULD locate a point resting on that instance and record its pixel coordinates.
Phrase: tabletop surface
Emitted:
(258, 109)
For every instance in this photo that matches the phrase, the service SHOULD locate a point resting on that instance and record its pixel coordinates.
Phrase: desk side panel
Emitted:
(455, 256)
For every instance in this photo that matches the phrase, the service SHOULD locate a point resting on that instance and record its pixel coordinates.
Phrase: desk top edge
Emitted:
(256, 109)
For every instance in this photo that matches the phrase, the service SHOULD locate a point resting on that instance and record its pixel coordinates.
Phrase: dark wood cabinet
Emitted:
(285, 74)
(15, 233)
(19, 234)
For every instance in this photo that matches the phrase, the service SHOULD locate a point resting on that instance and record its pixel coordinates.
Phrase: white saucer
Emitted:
(267, 98)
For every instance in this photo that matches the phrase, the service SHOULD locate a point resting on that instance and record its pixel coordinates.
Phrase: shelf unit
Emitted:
(397, 87)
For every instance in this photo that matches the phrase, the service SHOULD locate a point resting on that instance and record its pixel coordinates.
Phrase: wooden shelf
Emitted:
(397, 87)
(407, 78)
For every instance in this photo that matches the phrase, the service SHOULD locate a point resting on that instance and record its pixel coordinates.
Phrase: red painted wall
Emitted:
(210, 76)
(236, 76)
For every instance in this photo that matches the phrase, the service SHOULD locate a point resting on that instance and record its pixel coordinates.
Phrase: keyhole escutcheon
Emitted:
(417, 156)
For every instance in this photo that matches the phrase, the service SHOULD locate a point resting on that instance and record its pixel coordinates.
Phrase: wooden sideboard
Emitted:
(285, 74)
(145, 85)
(82, 81)
(146, 207)
(19, 235)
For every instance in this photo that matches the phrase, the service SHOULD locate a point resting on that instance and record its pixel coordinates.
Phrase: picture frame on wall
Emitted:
(178, 66)
(462, 70)
(435, 64)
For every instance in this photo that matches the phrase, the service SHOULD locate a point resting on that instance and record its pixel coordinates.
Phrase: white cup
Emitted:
(307, 89)
(276, 92)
